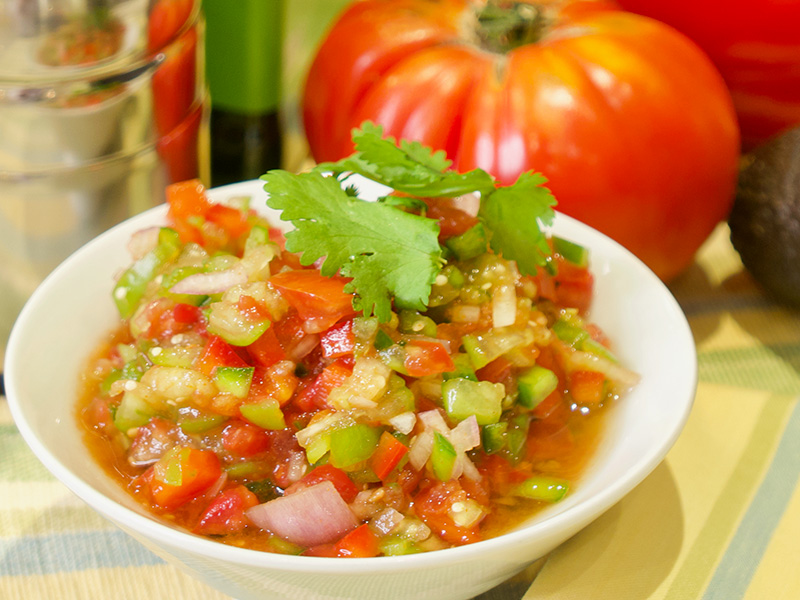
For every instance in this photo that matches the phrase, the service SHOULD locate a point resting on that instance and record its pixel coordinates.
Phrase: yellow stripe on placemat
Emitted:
(157, 582)
(666, 538)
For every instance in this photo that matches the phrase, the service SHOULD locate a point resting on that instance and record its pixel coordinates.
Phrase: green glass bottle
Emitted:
(243, 66)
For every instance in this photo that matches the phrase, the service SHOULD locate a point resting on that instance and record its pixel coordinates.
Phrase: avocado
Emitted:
(765, 219)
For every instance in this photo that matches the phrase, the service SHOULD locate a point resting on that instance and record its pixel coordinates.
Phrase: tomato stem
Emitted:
(504, 25)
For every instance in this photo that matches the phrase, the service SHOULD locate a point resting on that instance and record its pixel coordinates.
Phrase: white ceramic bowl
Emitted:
(72, 310)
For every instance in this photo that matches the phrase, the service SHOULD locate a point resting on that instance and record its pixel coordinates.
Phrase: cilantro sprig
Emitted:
(390, 254)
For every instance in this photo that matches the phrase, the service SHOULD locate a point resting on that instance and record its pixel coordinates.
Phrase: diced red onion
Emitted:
(204, 284)
(404, 422)
(314, 515)
(504, 306)
(466, 435)
(386, 520)
(467, 468)
(296, 466)
(143, 241)
(421, 449)
(433, 419)
(303, 347)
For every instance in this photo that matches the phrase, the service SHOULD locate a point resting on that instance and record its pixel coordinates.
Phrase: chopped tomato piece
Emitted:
(452, 220)
(343, 484)
(339, 340)
(587, 387)
(433, 504)
(233, 221)
(218, 353)
(244, 439)
(181, 475)
(359, 543)
(186, 200)
(266, 350)
(427, 357)
(225, 514)
(315, 394)
(387, 455)
(496, 371)
(187, 313)
(320, 301)
(574, 286)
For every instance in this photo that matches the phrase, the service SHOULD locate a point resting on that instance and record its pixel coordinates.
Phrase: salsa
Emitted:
(245, 398)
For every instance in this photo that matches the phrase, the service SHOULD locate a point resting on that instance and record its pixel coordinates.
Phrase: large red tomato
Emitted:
(755, 46)
(628, 119)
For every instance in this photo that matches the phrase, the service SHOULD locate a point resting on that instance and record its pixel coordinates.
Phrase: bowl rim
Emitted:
(578, 515)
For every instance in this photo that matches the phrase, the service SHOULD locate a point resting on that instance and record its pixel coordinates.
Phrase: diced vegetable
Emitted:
(463, 398)
(234, 380)
(546, 489)
(352, 445)
(535, 385)
(314, 515)
(265, 413)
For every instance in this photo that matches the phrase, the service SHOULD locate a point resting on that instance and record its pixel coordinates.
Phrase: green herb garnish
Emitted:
(391, 254)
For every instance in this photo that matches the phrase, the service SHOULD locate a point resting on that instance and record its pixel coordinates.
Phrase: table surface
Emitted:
(718, 518)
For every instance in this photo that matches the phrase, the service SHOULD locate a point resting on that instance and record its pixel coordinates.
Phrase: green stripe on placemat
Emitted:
(740, 561)
(713, 539)
(774, 368)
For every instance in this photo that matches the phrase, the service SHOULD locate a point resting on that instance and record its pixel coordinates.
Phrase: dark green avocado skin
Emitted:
(765, 219)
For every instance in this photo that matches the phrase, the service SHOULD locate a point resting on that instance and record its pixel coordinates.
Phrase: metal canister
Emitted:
(102, 104)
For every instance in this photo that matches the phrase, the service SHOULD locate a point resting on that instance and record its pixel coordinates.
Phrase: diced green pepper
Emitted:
(574, 253)
(535, 385)
(382, 340)
(234, 380)
(133, 411)
(593, 347)
(318, 447)
(395, 545)
(517, 437)
(569, 332)
(113, 375)
(463, 368)
(266, 414)
(352, 445)
(493, 437)
(463, 398)
(443, 457)
(131, 287)
(469, 244)
(412, 322)
(543, 488)
(191, 420)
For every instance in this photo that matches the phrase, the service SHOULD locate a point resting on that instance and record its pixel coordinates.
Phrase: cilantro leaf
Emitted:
(516, 215)
(390, 254)
(408, 167)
